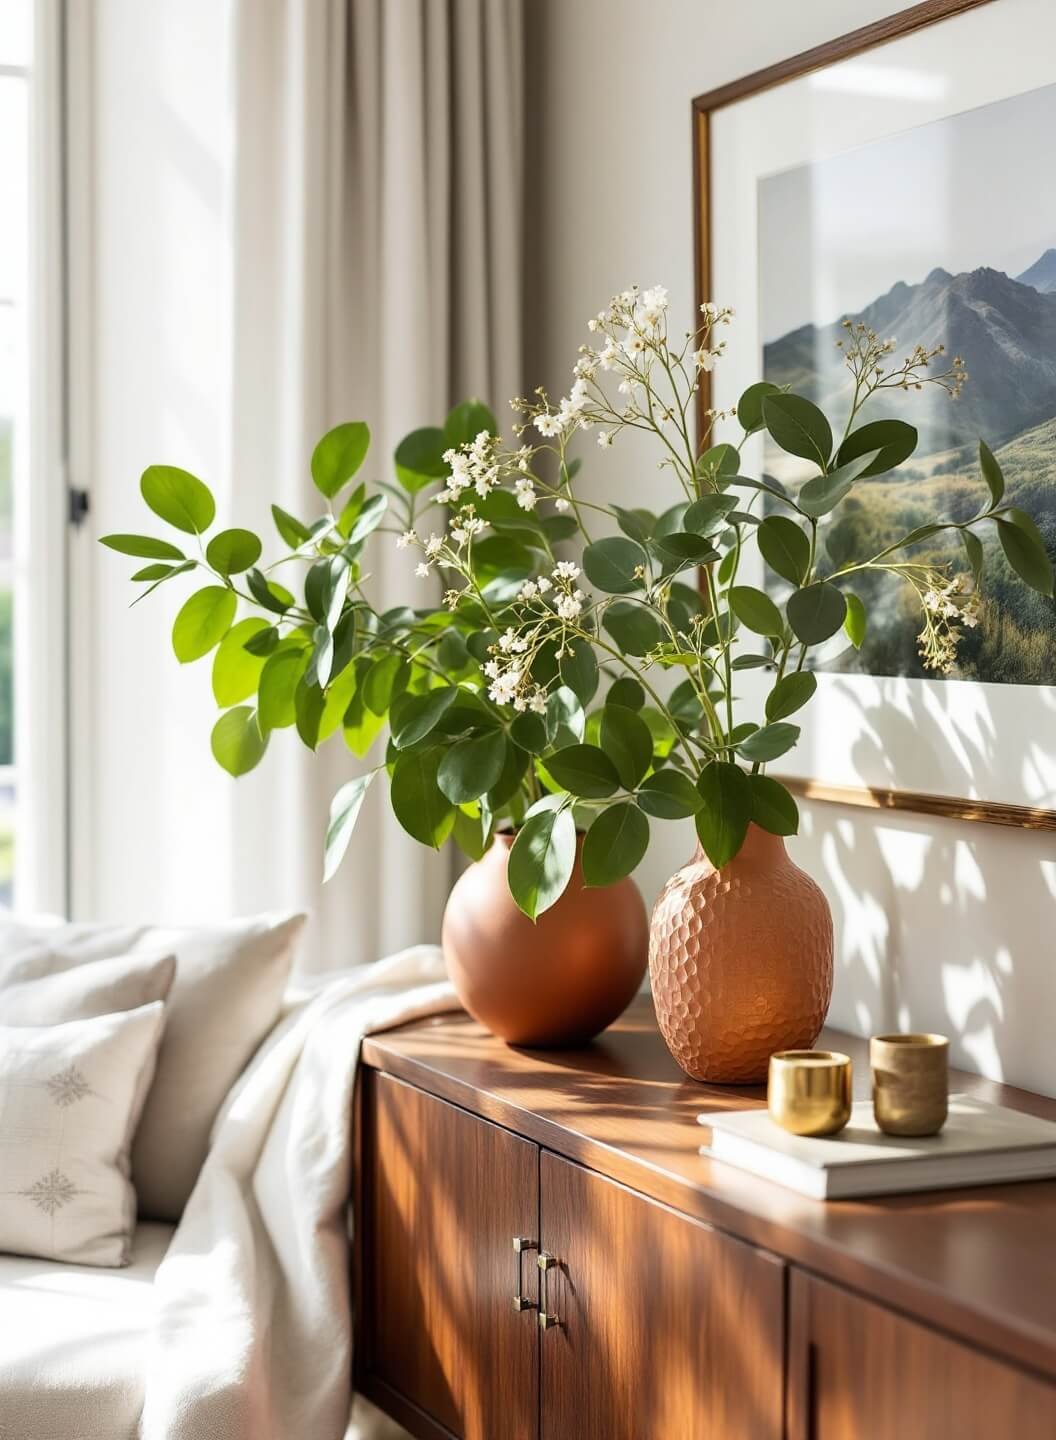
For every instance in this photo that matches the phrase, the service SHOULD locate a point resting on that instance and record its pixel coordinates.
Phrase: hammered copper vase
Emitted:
(740, 961)
(557, 982)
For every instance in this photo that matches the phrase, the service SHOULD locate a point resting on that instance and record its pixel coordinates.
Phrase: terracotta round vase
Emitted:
(740, 961)
(558, 981)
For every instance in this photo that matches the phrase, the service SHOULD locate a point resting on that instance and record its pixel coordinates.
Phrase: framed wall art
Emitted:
(901, 176)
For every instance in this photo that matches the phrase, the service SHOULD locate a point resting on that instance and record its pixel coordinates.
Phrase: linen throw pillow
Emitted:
(69, 1102)
(44, 986)
(225, 998)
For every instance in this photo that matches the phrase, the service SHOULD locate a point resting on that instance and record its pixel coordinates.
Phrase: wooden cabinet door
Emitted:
(442, 1194)
(666, 1329)
(860, 1372)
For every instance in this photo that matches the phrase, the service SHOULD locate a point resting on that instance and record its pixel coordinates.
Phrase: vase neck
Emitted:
(760, 848)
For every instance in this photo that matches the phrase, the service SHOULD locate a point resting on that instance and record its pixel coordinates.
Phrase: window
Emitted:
(32, 572)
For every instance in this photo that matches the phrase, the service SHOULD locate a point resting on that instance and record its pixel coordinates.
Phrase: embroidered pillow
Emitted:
(227, 995)
(70, 1097)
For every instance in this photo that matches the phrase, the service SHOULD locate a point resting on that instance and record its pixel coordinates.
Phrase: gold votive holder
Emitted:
(809, 1091)
(910, 1083)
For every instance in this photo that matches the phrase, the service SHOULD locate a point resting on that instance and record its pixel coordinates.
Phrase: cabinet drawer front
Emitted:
(443, 1195)
(667, 1329)
(858, 1371)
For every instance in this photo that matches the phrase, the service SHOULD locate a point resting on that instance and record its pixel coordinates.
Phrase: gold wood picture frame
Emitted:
(704, 108)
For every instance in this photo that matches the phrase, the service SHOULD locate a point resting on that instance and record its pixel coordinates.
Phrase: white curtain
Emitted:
(377, 260)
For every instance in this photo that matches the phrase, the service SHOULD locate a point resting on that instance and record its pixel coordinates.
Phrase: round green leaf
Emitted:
(466, 421)
(635, 629)
(726, 808)
(822, 494)
(854, 622)
(236, 670)
(626, 740)
(894, 439)
(344, 812)
(290, 528)
(614, 844)
(584, 770)
(769, 742)
(636, 524)
(755, 609)
(418, 714)
(684, 549)
(203, 621)
(268, 593)
(798, 427)
(233, 551)
(420, 458)
(385, 681)
(750, 405)
(472, 767)
(143, 547)
(1024, 548)
(338, 456)
(417, 800)
(612, 564)
(367, 520)
(627, 692)
(773, 808)
(991, 472)
(784, 547)
(790, 694)
(278, 685)
(541, 860)
(578, 668)
(178, 497)
(816, 612)
(669, 795)
(718, 462)
(530, 733)
(707, 516)
(237, 741)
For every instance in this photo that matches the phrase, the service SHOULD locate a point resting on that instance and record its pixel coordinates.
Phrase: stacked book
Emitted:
(981, 1144)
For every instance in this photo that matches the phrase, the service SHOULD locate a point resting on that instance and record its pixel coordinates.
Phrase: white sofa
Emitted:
(72, 1341)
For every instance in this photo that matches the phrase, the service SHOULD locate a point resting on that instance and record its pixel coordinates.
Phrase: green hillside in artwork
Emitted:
(1005, 329)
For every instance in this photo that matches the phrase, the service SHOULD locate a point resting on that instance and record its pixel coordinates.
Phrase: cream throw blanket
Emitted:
(252, 1338)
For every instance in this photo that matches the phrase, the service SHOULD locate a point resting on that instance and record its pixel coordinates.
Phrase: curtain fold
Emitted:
(376, 226)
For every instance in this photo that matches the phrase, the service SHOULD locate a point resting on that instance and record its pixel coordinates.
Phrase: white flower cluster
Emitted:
(655, 379)
(475, 466)
(948, 609)
(547, 600)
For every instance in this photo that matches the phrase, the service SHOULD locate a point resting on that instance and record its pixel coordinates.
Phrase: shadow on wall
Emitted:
(941, 925)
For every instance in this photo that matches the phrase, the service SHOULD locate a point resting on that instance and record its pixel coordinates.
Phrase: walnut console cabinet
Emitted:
(542, 1254)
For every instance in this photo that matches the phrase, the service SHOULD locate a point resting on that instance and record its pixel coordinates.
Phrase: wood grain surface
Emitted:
(443, 1195)
(860, 1372)
(666, 1326)
(979, 1264)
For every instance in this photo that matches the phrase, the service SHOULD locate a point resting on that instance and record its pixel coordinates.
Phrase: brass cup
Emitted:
(809, 1091)
(910, 1083)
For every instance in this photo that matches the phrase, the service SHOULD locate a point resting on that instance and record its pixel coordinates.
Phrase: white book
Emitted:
(980, 1144)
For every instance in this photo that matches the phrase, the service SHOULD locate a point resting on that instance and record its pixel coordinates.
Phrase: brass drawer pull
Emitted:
(545, 1262)
(520, 1244)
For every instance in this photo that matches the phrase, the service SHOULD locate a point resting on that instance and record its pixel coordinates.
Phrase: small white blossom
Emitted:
(568, 607)
(566, 570)
(409, 537)
(526, 496)
(537, 703)
(422, 570)
(561, 503)
(433, 546)
(605, 439)
(543, 584)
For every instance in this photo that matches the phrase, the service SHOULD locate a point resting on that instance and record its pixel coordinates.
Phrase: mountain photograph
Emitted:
(978, 274)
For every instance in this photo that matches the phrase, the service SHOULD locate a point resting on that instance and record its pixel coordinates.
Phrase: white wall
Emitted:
(940, 925)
